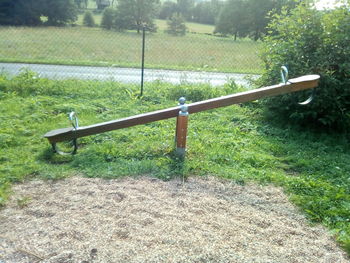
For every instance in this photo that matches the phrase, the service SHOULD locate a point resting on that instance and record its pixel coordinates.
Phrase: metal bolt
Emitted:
(182, 101)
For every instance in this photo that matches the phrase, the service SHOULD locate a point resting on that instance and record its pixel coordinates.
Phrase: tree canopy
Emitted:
(134, 14)
(204, 12)
(29, 12)
(249, 17)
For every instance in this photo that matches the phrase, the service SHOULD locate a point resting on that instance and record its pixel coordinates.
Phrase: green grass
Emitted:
(191, 27)
(95, 46)
(235, 142)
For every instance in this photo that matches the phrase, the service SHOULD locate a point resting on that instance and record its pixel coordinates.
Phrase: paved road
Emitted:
(126, 75)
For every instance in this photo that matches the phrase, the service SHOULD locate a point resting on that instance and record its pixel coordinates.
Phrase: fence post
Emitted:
(143, 57)
(181, 131)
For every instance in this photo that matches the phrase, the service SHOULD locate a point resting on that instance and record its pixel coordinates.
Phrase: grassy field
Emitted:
(161, 25)
(236, 142)
(94, 46)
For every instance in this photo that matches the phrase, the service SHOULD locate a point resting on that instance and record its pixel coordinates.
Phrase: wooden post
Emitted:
(182, 101)
(181, 131)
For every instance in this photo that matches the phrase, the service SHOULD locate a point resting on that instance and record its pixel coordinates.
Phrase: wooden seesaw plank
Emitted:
(293, 85)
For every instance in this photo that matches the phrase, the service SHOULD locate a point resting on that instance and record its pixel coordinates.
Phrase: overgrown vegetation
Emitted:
(30, 12)
(233, 142)
(176, 25)
(312, 42)
(89, 19)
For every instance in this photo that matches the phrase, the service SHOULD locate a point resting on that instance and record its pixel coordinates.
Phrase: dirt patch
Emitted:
(147, 220)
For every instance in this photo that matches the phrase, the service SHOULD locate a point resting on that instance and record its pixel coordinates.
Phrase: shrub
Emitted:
(309, 41)
(108, 15)
(88, 19)
(176, 25)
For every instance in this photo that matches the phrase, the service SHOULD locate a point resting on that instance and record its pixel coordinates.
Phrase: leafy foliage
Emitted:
(134, 14)
(204, 12)
(248, 17)
(88, 19)
(29, 12)
(232, 19)
(312, 42)
(168, 8)
(59, 12)
(108, 17)
(176, 25)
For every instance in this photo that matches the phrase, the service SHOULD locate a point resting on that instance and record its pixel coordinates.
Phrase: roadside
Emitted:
(128, 75)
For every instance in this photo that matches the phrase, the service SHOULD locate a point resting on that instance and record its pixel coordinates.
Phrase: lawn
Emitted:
(95, 46)
(236, 143)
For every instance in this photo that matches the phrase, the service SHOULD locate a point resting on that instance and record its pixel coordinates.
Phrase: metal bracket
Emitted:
(75, 123)
(57, 150)
(284, 76)
(309, 100)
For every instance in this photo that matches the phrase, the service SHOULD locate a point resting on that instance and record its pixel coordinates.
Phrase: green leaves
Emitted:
(309, 41)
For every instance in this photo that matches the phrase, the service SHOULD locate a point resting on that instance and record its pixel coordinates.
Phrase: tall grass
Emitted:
(234, 142)
(95, 46)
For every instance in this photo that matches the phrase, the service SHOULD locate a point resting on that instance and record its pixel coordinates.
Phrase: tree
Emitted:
(78, 3)
(206, 12)
(185, 7)
(60, 12)
(29, 12)
(176, 25)
(168, 8)
(311, 42)
(102, 4)
(81, 3)
(233, 19)
(20, 12)
(134, 14)
(249, 17)
(108, 16)
(88, 19)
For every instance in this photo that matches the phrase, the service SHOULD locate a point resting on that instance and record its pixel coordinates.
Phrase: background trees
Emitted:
(249, 17)
(134, 14)
(59, 12)
(20, 12)
(29, 12)
(88, 19)
(233, 19)
(108, 17)
(176, 25)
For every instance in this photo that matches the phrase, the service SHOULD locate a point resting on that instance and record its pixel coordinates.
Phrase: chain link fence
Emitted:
(96, 53)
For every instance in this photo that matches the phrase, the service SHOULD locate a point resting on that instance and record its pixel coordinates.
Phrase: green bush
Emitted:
(176, 25)
(88, 19)
(309, 41)
(108, 16)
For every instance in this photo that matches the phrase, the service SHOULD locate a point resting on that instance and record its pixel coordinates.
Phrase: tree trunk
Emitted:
(256, 35)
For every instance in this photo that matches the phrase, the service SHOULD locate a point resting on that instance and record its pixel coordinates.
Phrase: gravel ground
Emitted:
(148, 220)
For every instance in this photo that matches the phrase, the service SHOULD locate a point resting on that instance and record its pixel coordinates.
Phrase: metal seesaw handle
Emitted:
(284, 76)
(75, 123)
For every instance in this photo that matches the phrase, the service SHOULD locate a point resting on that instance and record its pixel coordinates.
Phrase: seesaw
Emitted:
(181, 112)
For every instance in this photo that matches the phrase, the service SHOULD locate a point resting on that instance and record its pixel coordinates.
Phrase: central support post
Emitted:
(181, 131)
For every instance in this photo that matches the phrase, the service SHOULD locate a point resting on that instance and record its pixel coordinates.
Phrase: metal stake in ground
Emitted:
(143, 57)
(181, 131)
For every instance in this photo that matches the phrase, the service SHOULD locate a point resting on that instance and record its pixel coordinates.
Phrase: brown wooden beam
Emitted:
(293, 85)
